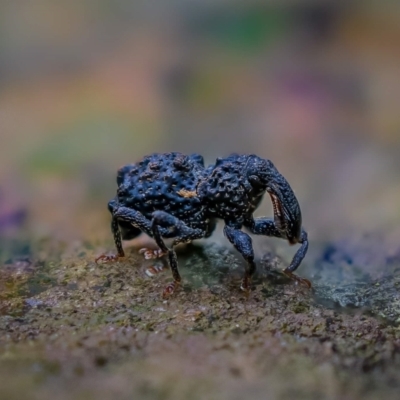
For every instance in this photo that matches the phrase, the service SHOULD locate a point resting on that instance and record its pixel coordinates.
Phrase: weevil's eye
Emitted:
(255, 181)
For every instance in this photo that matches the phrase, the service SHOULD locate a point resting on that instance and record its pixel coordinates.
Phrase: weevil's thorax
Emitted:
(227, 193)
(164, 182)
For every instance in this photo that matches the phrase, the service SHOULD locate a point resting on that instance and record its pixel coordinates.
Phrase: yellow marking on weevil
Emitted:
(187, 193)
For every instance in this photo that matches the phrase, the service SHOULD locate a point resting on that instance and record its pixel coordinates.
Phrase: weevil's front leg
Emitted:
(266, 226)
(243, 244)
(181, 233)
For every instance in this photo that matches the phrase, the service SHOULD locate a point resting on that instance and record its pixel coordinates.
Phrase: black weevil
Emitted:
(172, 195)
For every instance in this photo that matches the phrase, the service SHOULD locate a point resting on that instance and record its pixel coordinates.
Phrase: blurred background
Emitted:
(87, 86)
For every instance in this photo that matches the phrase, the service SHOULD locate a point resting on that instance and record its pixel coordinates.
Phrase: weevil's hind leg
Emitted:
(118, 244)
(136, 218)
(181, 233)
(125, 216)
(243, 244)
(266, 226)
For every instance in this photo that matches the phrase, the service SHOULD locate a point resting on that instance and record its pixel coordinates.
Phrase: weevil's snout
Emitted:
(287, 214)
(293, 231)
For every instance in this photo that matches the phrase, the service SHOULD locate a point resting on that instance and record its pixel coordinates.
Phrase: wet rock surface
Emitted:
(72, 329)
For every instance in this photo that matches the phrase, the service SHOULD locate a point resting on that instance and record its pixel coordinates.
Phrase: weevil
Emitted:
(172, 195)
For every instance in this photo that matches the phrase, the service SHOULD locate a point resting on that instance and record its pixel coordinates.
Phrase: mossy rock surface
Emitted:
(72, 329)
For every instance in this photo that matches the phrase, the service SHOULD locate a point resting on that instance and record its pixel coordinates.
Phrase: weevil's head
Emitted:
(262, 174)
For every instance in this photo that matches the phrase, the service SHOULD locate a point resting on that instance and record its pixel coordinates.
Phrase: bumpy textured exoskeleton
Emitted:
(172, 195)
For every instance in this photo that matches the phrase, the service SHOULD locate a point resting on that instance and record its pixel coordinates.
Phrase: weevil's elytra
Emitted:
(172, 195)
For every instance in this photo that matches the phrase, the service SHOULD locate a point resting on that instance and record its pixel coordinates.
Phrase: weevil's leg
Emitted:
(139, 221)
(243, 244)
(118, 244)
(266, 226)
(126, 216)
(297, 259)
(136, 218)
(181, 234)
(300, 254)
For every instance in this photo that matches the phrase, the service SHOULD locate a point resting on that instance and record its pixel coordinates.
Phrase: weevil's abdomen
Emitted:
(162, 181)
